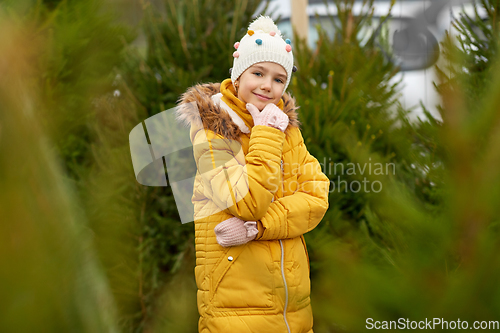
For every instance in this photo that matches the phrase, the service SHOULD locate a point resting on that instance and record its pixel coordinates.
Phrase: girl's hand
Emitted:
(234, 232)
(270, 116)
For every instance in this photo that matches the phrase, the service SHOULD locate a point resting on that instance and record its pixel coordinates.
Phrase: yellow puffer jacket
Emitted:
(267, 176)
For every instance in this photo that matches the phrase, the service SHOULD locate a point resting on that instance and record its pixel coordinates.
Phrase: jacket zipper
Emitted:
(282, 180)
(286, 288)
(283, 255)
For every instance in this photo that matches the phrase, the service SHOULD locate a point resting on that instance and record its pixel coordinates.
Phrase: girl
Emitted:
(256, 192)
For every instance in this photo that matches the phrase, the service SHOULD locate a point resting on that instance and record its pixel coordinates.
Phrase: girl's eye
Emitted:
(258, 73)
(279, 80)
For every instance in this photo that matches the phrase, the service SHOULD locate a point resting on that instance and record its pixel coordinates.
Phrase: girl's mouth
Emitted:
(264, 98)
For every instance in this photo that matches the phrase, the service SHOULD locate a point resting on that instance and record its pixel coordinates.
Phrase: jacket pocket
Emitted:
(307, 253)
(302, 275)
(244, 279)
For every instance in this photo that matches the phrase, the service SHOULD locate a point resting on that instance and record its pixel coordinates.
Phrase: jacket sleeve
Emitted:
(240, 185)
(299, 213)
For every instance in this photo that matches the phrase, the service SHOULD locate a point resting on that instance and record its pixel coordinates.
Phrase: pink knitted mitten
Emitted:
(270, 116)
(233, 232)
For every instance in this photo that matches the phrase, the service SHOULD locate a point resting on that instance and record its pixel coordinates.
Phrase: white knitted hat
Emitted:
(262, 42)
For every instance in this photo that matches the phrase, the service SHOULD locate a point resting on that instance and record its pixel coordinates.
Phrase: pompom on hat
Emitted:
(262, 42)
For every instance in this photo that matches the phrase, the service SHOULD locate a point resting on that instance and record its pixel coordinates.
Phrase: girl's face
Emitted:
(261, 84)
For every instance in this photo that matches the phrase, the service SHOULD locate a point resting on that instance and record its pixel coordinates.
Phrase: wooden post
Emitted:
(300, 19)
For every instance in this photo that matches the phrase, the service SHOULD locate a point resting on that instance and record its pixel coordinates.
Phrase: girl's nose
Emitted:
(266, 85)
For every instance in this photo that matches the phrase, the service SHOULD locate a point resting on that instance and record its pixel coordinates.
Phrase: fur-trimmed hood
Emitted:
(214, 117)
